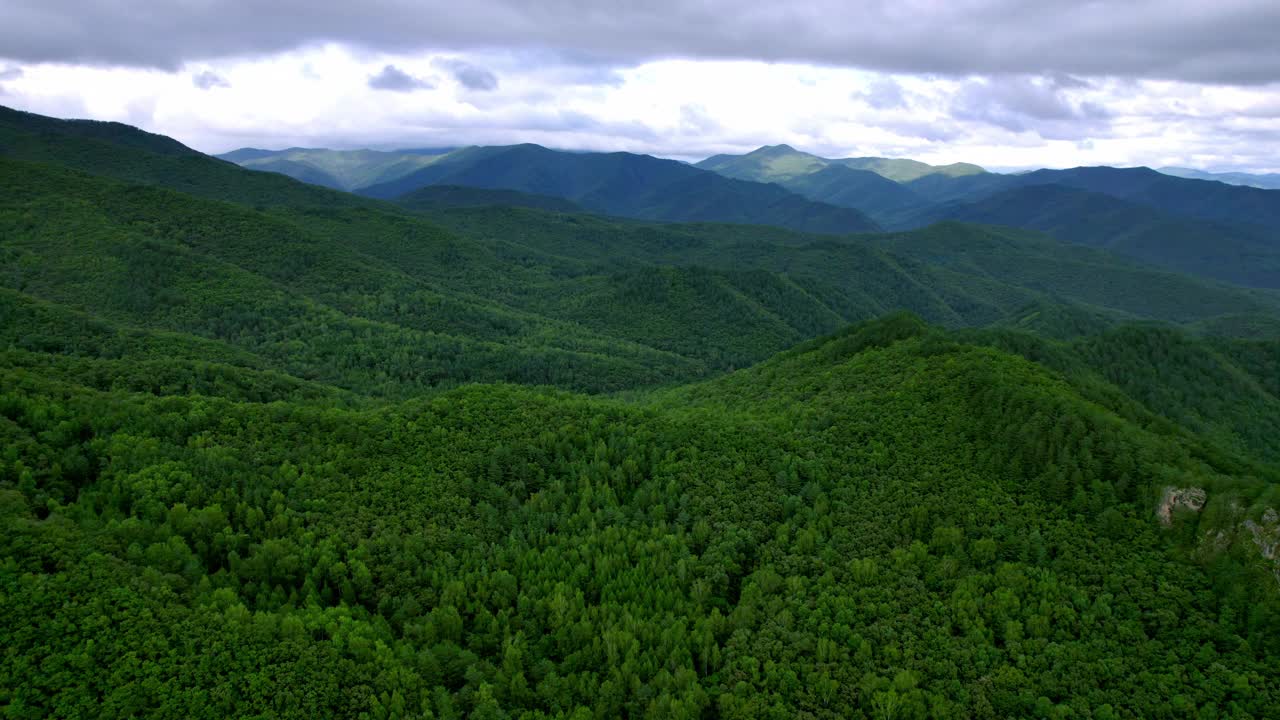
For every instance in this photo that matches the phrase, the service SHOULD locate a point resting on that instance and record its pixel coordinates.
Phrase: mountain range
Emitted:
(1266, 181)
(1200, 227)
(620, 184)
(503, 437)
(1211, 229)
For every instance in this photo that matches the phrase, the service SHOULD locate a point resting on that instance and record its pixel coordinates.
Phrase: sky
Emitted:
(1004, 83)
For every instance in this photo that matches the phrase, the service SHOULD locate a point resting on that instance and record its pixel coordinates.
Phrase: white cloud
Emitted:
(677, 108)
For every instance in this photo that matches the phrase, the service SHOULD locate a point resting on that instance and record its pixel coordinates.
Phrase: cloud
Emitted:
(394, 79)
(9, 73)
(677, 108)
(1225, 41)
(883, 94)
(208, 80)
(472, 77)
(1043, 105)
(696, 121)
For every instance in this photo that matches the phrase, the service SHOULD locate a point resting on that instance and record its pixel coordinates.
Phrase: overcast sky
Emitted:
(1004, 83)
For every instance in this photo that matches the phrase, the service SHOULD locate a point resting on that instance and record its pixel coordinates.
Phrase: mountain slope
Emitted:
(903, 519)
(874, 185)
(1222, 390)
(1201, 199)
(779, 163)
(846, 187)
(132, 155)
(904, 171)
(441, 197)
(628, 185)
(820, 179)
(1238, 254)
(340, 169)
(1181, 197)
(1269, 181)
(951, 274)
(268, 284)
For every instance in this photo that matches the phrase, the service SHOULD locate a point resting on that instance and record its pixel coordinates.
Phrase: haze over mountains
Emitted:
(519, 433)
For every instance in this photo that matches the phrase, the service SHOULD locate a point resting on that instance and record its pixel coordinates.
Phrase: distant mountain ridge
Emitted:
(1235, 253)
(339, 169)
(1208, 228)
(777, 163)
(1265, 181)
(880, 187)
(628, 185)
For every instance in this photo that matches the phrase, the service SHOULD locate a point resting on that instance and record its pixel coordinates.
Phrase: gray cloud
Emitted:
(1228, 41)
(1021, 104)
(883, 94)
(394, 79)
(472, 77)
(9, 73)
(208, 80)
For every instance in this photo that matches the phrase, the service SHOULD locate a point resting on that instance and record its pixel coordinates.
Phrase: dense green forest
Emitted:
(270, 450)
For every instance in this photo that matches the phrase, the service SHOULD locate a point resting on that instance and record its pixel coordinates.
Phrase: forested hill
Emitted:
(888, 518)
(272, 450)
(375, 299)
(132, 155)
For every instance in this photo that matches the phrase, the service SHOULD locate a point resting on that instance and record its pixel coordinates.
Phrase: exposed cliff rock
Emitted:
(1192, 498)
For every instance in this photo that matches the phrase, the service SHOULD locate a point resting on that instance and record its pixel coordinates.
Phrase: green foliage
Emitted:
(1225, 391)
(1232, 252)
(1200, 199)
(127, 153)
(286, 462)
(881, 524)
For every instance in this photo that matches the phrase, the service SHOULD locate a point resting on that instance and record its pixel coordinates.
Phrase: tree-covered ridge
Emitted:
(291, 290)
(339, 169)
(1266, 181)
(628, 185)
(376, 300)
(132, 155)
(1222, 389)
(1209, 229)
(953, 274)
(1236, 253)
(783, 163)
(442, 197)
(880, 523)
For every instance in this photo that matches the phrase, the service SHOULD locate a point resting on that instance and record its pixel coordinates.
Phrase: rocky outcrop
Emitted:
(1266, 535)
(1192, 498)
